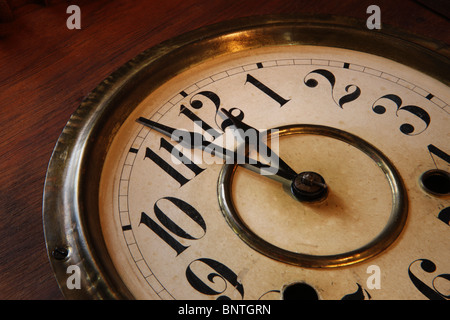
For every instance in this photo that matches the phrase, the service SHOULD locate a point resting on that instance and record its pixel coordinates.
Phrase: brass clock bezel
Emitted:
(70, 198)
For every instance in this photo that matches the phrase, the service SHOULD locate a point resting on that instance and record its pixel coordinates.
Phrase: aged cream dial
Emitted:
(177, 222)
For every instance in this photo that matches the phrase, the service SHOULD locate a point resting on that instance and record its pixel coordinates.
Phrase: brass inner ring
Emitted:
(383, 240)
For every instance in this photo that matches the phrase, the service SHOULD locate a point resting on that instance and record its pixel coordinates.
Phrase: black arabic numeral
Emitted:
(196, 119)
(182, 180)
(429, 291)
(312, 83)
(220, 272)
(379, 107)
(444, 215)
(227, 122)
(351, 96)
(269, 92)
(197, 103)
(359, 294)
(171, 226)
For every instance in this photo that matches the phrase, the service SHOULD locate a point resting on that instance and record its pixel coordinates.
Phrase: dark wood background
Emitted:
(46, 70)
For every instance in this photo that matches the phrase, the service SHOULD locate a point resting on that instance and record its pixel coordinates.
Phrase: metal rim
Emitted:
(70, 206)
(382, 241)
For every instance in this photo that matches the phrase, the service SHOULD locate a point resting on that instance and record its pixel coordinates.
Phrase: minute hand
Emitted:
(216, 150)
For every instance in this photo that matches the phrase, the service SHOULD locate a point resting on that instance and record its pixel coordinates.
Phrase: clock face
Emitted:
(179, 220)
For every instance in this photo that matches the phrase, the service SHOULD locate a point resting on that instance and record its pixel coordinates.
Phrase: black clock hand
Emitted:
(238, 124)
(216, 150)
(306, 186)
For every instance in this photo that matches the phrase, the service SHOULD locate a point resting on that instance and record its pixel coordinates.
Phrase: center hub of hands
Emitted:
(309, 187)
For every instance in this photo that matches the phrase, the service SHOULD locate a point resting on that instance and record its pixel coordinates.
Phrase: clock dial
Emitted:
(358, 203)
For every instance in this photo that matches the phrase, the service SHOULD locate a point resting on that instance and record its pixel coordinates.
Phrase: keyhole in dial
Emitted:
(436, 182)
(299, 291)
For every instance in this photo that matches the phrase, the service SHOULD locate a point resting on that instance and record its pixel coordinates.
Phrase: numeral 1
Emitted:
(438, 152)
(149, 153)
(261, 86)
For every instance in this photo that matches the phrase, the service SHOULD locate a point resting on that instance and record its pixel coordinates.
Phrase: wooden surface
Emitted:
(46, 70)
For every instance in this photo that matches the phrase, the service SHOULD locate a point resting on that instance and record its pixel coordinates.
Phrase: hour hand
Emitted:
(240, 130)
(306, 186)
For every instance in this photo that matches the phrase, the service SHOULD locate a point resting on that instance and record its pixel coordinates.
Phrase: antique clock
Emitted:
(146, 198)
